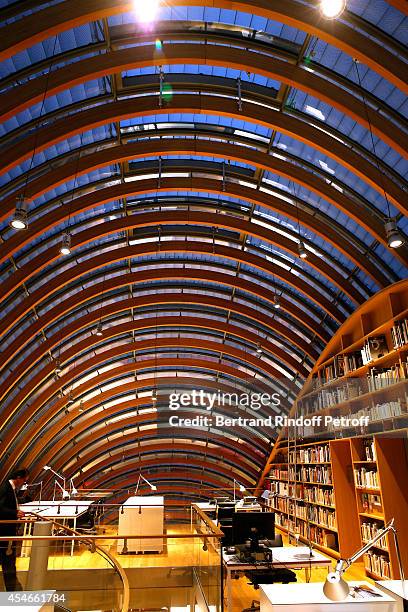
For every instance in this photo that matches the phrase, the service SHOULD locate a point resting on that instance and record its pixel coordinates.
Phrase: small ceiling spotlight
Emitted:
(65, 248)
(70, 399)
(81, 406)
(259, 349)
(99, 330)
(20, 218)
(58, 368)
(302, 250)
(394, 236)
(332, 8)
(277, 301)
(154, 396)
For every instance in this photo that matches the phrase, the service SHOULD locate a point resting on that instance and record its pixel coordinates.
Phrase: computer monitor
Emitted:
(253, 526)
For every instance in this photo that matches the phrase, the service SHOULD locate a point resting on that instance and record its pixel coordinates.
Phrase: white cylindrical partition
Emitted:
(37, 570)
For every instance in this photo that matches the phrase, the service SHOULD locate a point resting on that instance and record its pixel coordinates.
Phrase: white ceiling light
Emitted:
(146, 12)
(394, 236)
(20, 218)
(65, 248)
(332, 8)
(302, 250)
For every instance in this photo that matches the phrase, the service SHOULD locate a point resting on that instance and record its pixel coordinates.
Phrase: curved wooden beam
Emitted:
(179, 246)
(28, 444)
(43, 396)
(64, 448)
(113, 331)
(135, 150)
(241, 226)
(113, 62)
(226, 305)
(37, 27)
(346, 154)
(103, 455)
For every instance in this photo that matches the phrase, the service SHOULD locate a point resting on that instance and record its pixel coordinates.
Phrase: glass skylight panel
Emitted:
(384, 16)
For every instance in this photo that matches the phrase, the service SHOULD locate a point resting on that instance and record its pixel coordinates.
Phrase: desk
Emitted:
(61, 512)
(396, 589)
(310, 598)
(291, 557)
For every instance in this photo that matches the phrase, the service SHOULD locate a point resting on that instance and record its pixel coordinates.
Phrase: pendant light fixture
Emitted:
(393, 235)
(20, 217)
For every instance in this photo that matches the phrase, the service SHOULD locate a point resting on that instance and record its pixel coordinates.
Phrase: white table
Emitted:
(60, 511)
(142, 516)
(396, 589)
(290, 557)
(310, 598)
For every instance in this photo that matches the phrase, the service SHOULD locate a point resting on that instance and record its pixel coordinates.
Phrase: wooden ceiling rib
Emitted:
(347, 153)
(103, 377)
(32, 29)
(119, 61)
(33, 446)
(117, 154)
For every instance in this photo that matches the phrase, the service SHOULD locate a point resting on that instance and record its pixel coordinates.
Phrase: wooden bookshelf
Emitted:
(341, 386)
(358, 508)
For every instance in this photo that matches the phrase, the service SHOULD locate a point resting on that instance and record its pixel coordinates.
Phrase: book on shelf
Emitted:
(399, 334)
(369, 530)
(319, 495)
(374, 348)
(312, 454)
(377, 564)
(334, 370)
(318, 474)
(379, 412)
(352, 361)
(370, 453)
(371, 503)
(366, 479)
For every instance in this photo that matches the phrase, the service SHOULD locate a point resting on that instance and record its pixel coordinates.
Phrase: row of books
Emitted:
(378, 379)
(318, 495)
(318, 535)
(323, 516)
(311, 454)
(327, 398)
(366, 479)
(378, 564)
(319, 474)
(399, 334)
(369, 530)
(280, 488)
(379, 412)
(279, 473)
(374, 348)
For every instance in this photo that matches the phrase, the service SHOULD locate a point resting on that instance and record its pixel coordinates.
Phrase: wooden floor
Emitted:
(179, 553)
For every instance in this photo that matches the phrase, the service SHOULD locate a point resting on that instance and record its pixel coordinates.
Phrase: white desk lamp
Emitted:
(241, 488)
(335, 587)
(65, 494)
(152, 486)
(73, 490)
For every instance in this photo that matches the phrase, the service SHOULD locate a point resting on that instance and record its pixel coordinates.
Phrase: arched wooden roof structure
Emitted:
(187, 160)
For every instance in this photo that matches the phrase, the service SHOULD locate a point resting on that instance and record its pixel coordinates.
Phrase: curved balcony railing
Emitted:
(98, 567)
